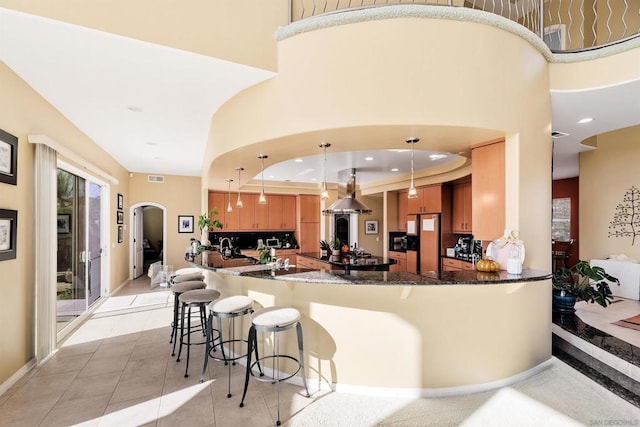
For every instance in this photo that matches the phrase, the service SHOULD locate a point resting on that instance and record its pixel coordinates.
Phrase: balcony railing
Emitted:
(564, 25)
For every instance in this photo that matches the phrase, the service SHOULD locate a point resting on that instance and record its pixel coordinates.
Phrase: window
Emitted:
(561, 219)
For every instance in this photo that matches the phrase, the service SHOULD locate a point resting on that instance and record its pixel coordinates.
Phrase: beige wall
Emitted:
(354, 92)
(24, 112)
(606, 175)
(179, 195)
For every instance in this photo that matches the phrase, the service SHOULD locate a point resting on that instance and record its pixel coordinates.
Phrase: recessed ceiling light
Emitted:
(134, 109)
(437, 156)
(298, 160)
(585, 120)
(368, 158)
(271, 176)
(313, 179)
(151, 144)
(395, 170)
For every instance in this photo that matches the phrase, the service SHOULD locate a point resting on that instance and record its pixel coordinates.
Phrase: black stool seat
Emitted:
(276, 320)
(196, 298)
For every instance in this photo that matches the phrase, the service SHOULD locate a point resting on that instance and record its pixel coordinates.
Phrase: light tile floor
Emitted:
(116, 370)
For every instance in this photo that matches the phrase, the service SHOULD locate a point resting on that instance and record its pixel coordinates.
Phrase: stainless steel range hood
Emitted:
(347, 202)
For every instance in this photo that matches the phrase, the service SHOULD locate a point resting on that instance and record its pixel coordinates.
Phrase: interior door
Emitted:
(138, 247)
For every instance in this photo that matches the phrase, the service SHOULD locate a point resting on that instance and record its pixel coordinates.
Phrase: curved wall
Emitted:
(371, 84)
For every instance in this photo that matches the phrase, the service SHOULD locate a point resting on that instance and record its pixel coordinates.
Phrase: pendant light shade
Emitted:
(262, 199)
(239, 202)
(229, 207)
(413, 193)
(324, 195)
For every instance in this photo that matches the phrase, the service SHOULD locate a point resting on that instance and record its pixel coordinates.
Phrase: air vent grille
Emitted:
(158, 179)
(557, 134)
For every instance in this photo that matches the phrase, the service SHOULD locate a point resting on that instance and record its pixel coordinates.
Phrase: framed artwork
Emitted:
(8, 237)
(8, 158)
(185, 223)
(120, 202)
(120, 217)
(120, 233)
(64, 223)
(371, 227)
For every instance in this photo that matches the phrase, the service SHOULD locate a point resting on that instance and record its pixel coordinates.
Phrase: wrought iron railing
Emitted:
(564, 25)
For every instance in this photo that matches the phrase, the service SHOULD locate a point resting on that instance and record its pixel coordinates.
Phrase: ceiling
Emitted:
(150, 106)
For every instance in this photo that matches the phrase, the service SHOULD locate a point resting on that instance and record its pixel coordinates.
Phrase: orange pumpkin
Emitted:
(487, 265)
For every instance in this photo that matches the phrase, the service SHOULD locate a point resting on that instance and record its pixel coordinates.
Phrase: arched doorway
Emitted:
(148, 230)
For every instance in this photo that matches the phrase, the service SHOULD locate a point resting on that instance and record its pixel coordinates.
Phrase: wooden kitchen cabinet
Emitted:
(462, 201)
(282, 212)
(450, 264)
(401, 259)
(488, 187)
(429, 200)
(402, 210)
(308, 237)
(231, 219)
(217, 203)
(412, 261)
(309, 208)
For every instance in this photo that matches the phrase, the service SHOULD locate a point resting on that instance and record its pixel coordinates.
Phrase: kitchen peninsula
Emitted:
(407, 334)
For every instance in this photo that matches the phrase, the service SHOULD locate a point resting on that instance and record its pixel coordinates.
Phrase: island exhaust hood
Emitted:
(347, 202)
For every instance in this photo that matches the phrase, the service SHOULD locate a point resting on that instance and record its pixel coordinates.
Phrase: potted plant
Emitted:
(581, 282)
(336, 246)
(206, 222)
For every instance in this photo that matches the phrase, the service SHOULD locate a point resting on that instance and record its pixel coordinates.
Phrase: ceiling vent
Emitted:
(557, 134)
(158, 179)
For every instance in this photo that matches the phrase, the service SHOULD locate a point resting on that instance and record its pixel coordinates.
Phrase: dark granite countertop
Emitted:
(349, 261)
(460, 277)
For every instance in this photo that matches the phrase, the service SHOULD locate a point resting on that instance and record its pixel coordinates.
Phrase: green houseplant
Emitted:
(581, 282)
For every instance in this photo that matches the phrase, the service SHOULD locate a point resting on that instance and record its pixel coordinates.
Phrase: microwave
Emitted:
(273, 243)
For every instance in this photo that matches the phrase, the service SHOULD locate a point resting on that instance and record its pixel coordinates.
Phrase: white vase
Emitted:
(204, 238)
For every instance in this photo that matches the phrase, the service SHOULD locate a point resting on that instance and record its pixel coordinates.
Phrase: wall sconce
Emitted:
(229, 207)
(324, 195)
(239, 202)
(413, 193)
(262, 199)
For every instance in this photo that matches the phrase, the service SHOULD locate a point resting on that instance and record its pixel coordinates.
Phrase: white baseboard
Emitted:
(17, 376)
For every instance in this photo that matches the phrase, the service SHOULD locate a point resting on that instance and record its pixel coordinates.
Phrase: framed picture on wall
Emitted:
(64, 223)
(120, 201)
(120, 233)
(185, 223)
(371, 227)
(8, 158)
(8, 234)
(120, 217)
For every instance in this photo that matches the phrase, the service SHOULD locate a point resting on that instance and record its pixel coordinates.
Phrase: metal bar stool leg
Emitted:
(301, 352)
(252, 340)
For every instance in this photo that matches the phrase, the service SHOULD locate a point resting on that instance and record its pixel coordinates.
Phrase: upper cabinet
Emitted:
(429, 200)
(279, 213)
(309, 208)
(462, 208)
(402, 210)
(488, 185)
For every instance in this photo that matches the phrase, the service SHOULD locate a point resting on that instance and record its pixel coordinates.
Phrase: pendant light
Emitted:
(239, 202)
(229, 207)
(324, 195)
(413, 193)
(262, 199)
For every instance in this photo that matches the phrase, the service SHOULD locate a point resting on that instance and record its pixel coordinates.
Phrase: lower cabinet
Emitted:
(449, 264)
(401, 259)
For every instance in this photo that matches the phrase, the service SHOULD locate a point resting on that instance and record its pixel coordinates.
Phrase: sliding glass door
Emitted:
(78, 279)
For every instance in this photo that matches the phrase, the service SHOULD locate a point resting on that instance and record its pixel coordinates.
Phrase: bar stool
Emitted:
(178, 288)
(197, 298)
(226, 308)
(274, 319)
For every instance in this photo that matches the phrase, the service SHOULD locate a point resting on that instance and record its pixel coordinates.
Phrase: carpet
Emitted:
(631, 322)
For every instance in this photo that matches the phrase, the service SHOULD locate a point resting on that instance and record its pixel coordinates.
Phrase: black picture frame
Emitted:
(64, 223)
(120, 233)
(8, 234)
(185, 223)
(119, 217)
(8, 158)
(120, 201)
